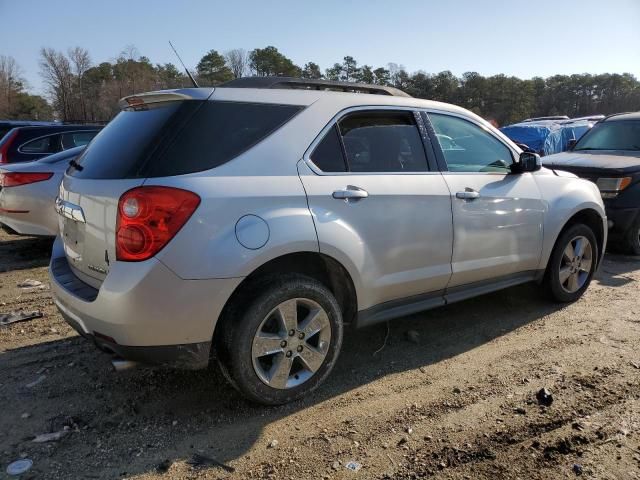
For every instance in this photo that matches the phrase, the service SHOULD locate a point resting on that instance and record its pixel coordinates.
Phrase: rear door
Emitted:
(497, 215)
(377, 204)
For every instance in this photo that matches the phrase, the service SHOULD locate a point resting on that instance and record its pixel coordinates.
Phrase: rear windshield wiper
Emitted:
(76, 165)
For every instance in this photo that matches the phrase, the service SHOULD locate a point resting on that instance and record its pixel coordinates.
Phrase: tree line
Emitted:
(80, 90)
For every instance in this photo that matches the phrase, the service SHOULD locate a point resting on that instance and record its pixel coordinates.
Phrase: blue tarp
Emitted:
(547, 136)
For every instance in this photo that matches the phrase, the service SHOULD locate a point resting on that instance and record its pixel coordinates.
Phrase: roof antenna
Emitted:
(193, 80)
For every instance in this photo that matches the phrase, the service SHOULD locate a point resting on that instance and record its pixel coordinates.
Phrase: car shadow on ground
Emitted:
(614, 268)
(19, 253)
(130, 422)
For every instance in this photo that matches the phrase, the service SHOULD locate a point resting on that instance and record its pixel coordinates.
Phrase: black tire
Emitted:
(631, 243)
(246, 315)
(552, 282)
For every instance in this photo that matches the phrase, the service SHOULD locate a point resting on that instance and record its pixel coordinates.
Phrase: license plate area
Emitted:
(73, 238)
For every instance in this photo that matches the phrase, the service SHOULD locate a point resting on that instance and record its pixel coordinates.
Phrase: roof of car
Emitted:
(623, 116)
(59, 127)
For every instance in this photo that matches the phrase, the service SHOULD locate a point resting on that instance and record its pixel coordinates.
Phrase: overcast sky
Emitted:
(518, 37)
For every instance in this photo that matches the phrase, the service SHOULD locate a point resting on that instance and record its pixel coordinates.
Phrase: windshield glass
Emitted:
(616, 135)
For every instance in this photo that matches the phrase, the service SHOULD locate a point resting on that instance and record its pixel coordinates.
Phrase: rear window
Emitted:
(178, 138)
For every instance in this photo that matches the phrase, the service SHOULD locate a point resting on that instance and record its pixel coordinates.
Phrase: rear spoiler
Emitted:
(160, 96)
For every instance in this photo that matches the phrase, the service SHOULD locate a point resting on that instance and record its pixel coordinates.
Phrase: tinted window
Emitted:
(76, 139)
(41, 145)
(327, 156)
(178, 137)
(468, 148)
(382, 142)
(218, 132)
(612, 135)
(120, 149)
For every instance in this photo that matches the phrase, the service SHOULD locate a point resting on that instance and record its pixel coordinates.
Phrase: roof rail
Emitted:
(616, 114)
(312, 84)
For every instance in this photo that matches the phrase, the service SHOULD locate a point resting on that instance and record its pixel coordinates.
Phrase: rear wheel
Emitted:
(572, 263)
(284, 343)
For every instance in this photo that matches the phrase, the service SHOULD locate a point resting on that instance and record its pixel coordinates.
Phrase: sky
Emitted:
(524, 38)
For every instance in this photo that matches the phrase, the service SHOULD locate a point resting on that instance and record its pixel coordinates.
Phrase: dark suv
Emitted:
(609, 155)
(24, 144)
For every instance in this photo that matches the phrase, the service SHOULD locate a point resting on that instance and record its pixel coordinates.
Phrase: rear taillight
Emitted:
(15, 179)
(4, 146)
(148, 218)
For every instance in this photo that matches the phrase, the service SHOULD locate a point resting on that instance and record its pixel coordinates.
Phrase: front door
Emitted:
(377, 207)
(497, 215)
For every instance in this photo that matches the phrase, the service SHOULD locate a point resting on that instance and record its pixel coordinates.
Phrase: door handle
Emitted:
(468, 194)
(350, 193)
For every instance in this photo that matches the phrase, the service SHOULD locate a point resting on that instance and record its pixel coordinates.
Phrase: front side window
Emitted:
(40, 145)
(612, 135)
(469, 148)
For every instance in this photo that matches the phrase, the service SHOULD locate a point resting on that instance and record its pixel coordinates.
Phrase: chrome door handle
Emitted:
(468, 194)
(350, 193)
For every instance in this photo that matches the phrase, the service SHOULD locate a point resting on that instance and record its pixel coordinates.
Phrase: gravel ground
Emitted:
(451, 395)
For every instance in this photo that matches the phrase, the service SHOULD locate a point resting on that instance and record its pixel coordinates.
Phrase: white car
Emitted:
(28, 191)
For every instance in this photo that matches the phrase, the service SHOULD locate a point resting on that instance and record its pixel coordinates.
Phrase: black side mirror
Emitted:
(571, 143)
(528, 162)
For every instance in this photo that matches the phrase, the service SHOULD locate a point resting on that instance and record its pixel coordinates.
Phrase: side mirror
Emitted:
(571, 143)
(528, 162)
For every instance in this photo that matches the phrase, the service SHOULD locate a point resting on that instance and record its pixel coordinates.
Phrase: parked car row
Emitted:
(251, 223)
(28, 141)
(549, 135)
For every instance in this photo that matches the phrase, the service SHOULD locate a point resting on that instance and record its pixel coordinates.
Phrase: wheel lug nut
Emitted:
(292, 332)
(301, 335)
(283, 343)
(299, 348)
(289, 353)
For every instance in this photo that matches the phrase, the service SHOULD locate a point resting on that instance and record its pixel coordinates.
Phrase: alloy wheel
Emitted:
(575, 265)
(291, 343)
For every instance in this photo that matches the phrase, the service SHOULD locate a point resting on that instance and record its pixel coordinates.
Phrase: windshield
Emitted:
(616, 135)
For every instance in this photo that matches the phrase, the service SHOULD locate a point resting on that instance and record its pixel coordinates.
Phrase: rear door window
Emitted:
(327, 156)
(41, 145)
(382, 141)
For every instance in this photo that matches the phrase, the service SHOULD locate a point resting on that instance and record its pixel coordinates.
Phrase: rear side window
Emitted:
(327, 156)
(76, 139)
(218, 132)
(176, 138)
(46, 144)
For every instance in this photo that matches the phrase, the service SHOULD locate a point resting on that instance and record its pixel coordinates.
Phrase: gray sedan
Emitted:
(28, 191)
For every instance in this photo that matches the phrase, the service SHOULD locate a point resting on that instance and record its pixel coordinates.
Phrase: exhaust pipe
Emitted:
(120, 365)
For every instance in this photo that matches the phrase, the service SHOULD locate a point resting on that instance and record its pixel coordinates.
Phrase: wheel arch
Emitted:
(318, 266)
(594, 220)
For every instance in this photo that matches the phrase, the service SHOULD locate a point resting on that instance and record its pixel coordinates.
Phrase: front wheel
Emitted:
(572, 263)
(284, 343)
(632, 240)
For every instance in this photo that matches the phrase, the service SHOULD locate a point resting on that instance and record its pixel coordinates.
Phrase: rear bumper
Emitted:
(28, 209)
(142, 311)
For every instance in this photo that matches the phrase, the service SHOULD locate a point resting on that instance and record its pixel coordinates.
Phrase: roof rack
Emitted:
(312, 84)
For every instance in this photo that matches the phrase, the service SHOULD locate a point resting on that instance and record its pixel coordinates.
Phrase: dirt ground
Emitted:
(455, 398)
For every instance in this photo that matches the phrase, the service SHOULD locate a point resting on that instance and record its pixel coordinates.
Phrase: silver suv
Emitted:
(252, 222)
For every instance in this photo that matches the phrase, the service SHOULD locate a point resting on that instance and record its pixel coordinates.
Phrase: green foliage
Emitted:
(92, 93)
(311, 70)
(213, 69)
(269, 61)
